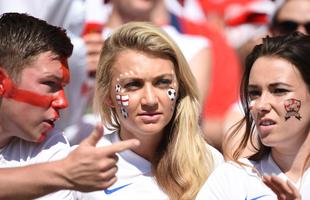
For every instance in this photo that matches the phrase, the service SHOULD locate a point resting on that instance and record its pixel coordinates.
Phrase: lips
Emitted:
(150, 117)
(266, 122)
(265, 126)
(50, 123)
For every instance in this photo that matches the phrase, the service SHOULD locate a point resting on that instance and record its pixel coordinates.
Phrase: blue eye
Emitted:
(164, 82)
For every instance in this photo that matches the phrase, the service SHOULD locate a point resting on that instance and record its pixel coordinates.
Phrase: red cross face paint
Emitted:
(30, 106)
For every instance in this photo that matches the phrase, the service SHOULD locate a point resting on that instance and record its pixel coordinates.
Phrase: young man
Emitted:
(33, 73)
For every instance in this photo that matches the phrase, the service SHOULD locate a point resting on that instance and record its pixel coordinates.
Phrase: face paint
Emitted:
(65, 72)
(122, 100)
(172, 94)
(292, 107)
(41, 138)
(252, 103)
(118, 88)
(124, 112)
(12, 92)
(59, 100)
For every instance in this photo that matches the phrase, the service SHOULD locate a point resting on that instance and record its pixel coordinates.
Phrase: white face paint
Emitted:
(118, 88)
(172, 94)
(124, 112)
(122, 100)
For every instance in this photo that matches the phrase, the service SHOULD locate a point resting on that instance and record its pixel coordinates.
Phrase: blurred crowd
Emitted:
(215, 36)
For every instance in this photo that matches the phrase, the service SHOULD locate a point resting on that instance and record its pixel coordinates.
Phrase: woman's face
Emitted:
(280, 102)
(143, 92)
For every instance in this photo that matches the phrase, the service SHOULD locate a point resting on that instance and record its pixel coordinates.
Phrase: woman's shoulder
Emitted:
(217, 156)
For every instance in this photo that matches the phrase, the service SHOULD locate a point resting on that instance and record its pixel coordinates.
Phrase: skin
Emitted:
(284, 189)
(146, 80)
(132, 10)
(94, 43)
(296, 10)
(269, 94)
(86, 168)
(144, 10)
(39, 93)
(289, 139)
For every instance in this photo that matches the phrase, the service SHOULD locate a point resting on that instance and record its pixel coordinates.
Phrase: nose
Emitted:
(150, 97)
(59, 100)
(262, 104)
(302, 29)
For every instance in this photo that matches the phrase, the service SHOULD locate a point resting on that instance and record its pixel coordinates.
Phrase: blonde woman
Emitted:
(145, 90)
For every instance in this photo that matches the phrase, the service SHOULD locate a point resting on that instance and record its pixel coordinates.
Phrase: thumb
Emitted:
(94, 137)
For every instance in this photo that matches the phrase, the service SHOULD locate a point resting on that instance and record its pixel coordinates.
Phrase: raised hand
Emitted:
(90, 168)
(94, 43)
(284, 190)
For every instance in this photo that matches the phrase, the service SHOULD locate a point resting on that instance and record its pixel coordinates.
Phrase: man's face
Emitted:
(31, 105)
(293, 16)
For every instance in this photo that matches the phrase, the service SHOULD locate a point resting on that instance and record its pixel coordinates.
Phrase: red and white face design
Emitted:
(276, 97)
(292, 107)
(30, 107)
(143, 93)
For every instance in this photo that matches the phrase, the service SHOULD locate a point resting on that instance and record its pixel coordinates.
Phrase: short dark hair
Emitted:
(23, 37)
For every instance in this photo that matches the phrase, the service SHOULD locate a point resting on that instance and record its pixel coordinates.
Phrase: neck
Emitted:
(293, 161)
(148, 145)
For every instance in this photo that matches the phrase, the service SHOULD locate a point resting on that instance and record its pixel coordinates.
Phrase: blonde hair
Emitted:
(183, 163)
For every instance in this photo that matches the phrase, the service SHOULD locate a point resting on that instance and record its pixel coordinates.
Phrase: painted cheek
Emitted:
(292, 107)
(172, 94)
(59, 100)
(251, 105)
(29, 97)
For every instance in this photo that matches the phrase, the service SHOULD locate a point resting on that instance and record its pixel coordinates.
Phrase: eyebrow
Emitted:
(137, 78)
(271, 85)
(53, 77)
(280, 84)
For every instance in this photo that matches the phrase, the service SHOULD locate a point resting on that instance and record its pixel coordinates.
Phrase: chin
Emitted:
(41, 138)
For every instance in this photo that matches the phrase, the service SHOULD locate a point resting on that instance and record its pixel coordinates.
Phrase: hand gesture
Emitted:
(90, 168)
(284, 190)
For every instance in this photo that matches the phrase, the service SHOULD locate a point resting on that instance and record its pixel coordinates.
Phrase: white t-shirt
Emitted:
(134, 177)
(21, 153)
(232, 181)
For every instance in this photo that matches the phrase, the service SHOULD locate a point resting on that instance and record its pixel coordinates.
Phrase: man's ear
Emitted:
(3, 76)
